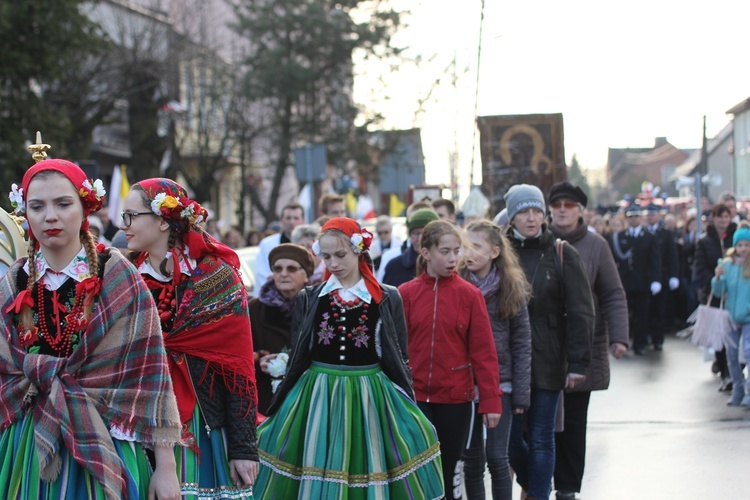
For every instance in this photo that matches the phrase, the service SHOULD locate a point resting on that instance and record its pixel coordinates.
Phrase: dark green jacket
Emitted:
(560, 345)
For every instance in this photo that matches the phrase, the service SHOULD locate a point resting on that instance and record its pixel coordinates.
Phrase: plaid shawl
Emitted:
(117, 377)
(212, 323)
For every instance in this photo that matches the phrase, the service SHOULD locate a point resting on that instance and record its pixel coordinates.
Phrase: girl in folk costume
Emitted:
(732, 277)
(203, 313)
(343, 423)
(492, 266)
(84, 381)
(450, 346)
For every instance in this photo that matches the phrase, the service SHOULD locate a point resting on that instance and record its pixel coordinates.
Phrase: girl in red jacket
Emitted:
(450, 345)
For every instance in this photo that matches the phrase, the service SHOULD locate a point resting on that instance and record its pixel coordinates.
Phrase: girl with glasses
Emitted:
(202, 307)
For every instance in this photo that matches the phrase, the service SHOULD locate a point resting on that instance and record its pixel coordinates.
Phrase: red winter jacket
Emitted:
(450, 342)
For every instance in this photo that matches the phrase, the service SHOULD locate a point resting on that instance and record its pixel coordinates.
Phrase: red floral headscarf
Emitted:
(91, 192)
(360, 239)
(170, 201)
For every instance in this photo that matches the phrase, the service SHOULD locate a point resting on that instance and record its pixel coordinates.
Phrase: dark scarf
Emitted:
(487, 285)
(271, 297)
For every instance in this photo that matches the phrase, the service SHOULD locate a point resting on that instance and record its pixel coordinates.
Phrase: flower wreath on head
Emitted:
(360, 242)
(178, 209)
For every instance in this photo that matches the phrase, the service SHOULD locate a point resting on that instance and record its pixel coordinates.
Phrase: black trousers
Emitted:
(638, 315)
(657, 313)
(570, 445)
(452, 422)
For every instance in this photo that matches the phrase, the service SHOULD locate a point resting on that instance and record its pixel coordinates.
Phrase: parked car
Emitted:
(247, 256)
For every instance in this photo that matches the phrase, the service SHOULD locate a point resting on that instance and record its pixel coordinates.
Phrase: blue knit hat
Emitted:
(742, 234)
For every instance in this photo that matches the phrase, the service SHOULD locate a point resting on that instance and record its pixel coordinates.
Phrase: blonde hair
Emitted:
(346, 243)
(431, 234)
(514, 289)
(732, 253)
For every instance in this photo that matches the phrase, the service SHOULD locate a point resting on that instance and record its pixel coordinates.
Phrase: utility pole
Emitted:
(476, 97)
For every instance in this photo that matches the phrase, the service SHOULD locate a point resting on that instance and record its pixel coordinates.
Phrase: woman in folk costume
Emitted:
(84, 380)
(203, 313)
(344, 423)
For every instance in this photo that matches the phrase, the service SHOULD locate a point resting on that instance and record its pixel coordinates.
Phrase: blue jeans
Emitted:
(494, 453)
(735, 370)
(532, 444)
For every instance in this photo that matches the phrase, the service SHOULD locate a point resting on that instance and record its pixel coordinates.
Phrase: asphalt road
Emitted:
(663, 431)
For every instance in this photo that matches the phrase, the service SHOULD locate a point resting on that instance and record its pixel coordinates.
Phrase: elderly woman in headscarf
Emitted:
(271, 315)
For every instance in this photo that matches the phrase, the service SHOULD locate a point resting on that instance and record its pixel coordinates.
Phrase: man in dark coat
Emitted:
(638, 261)
(567, 203)
(668, 275)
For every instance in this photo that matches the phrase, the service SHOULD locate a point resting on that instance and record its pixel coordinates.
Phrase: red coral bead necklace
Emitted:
(62, 342)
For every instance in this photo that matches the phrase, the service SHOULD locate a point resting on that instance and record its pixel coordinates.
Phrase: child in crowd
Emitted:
(732, 277)
(492, 266)
(343, 423)
(450, 346)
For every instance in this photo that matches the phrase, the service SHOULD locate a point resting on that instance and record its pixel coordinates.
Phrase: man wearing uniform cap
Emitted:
(638, 261)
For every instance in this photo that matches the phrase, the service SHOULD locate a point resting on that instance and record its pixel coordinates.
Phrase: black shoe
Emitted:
(657, 347)
(566, 495)
(638, 351)
(726, 385)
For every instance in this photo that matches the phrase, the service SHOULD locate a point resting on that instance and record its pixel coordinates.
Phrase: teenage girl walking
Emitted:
(492, 266)
(450, 345)
(732, 277)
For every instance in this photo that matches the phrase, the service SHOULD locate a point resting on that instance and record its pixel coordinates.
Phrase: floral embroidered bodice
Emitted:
(346, 334)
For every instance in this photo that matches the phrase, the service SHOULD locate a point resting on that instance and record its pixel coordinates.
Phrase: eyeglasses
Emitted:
(289, 269)
(563, 203)
(127, 217)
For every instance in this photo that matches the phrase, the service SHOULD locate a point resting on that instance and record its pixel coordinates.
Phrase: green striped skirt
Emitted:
(348, 432)
(19, 469)
(206, 476)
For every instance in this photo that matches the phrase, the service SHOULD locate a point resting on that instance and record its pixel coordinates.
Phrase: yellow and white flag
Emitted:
(118, 190)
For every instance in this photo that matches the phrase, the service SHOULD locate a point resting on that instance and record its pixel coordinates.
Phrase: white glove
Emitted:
(674, 283)
(655, 288)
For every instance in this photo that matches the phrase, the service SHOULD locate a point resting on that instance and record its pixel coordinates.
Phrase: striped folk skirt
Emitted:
(206, 477)
(19, 469)
(348, 432)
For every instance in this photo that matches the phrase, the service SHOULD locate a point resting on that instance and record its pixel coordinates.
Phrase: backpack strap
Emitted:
(560, 265)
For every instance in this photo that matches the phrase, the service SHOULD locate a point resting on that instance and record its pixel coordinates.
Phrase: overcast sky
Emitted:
(622, 73)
